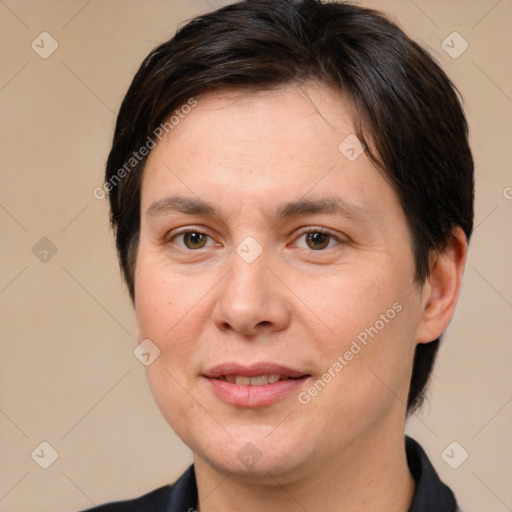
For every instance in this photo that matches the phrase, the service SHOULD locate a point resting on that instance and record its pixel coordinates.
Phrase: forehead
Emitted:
(279, 112)
(234, 145)
(269, 122)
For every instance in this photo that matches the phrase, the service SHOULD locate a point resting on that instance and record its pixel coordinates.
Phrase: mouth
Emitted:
(259, 380)
(262, 369)
(257, 385)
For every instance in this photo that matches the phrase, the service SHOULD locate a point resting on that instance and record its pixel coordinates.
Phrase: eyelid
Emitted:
(318, 229)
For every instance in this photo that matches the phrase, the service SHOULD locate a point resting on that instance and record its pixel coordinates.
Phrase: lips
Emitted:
(257, 385)
(254, 370)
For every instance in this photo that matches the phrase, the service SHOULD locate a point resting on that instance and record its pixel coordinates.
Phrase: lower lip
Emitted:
(254, 396)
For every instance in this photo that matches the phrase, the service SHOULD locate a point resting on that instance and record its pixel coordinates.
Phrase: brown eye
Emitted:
(194, 240)
(190, 240)
(317, 240)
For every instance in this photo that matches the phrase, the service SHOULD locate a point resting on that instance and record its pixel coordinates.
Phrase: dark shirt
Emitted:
(431, 495)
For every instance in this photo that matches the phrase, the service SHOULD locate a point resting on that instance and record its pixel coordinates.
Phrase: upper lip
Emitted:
(252, 370)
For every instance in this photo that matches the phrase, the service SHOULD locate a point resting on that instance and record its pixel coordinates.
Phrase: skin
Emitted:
(295, 305)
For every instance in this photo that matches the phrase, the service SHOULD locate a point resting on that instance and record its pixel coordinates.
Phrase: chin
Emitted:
(251, 455)
(264, 470)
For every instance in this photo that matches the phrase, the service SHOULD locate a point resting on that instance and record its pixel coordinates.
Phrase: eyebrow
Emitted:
(325, 205)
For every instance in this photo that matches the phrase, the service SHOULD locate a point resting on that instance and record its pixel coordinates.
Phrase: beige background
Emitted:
(68, 375)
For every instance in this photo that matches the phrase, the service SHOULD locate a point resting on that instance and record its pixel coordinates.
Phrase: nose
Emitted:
(252, 299)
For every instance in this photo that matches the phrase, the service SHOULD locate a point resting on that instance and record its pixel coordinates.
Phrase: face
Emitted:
(267, 251)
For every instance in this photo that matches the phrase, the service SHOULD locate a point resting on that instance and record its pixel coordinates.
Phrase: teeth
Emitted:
(260, 380)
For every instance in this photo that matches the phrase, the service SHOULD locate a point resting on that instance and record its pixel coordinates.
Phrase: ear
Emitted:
(441, 290)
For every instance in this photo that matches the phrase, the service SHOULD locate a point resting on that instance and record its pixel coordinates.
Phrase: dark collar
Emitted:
(431, 494)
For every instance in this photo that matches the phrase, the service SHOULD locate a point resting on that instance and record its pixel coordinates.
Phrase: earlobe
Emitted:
(442, 288)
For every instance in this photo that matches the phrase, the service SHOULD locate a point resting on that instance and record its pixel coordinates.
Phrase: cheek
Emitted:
(356, 300)
(367, 357)
(166, 314)
(163, 299)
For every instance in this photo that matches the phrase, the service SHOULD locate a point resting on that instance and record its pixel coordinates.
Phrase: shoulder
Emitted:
(182, 496)
(156, 501)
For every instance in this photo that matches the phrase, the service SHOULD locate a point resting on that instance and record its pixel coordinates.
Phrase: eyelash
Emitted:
(306, 231)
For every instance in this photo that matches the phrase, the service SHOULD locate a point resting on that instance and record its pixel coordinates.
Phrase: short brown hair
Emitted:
(407, 109)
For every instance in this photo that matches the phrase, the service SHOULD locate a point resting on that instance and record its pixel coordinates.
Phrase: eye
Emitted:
(192, 239)
(318, 239)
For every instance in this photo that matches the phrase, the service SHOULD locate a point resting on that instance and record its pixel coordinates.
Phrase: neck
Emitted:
(369, 474)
